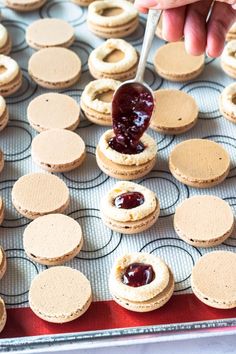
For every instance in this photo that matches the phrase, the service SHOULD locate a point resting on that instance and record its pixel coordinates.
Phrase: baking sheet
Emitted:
(88, 184)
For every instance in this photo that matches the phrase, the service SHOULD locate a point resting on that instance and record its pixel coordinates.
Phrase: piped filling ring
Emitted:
(141, 293)
(98, 56)
(10, 69)
(95, 88)
(96, 9)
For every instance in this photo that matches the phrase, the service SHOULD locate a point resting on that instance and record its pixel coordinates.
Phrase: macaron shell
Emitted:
(82, 2)
(229, 70)
(53, 239)
(225, 113)
(4, 119)
(55, 67)
(58, 150)
(38, 194)
(204, 221)
(1, 161)
(53, 111)
(3, 315)
(114, 57)
(152, 304)
(114, 32)
(11, 87)
(3, 263)
(97, 117)
(120, 171)
(60, 294)
(174, 63)
(175, 112)
(200, 163)
(213, 279)
(25, 5)
(49, 32)
(6, 49)
(2, 211)
(127, 75)
(133, 227)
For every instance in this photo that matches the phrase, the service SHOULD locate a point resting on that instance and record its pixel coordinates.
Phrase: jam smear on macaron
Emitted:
(129, 200)
(138, 274)
(132, 108)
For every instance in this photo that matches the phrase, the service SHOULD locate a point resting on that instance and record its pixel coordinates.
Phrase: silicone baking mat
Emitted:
(87, 186)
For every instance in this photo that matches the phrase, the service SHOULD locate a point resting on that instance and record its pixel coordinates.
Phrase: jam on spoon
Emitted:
(129, 200)
(133, 102)
(132, 109)
(138, 274)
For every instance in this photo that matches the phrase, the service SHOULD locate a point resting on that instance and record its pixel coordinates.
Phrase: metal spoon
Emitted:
(133, 101)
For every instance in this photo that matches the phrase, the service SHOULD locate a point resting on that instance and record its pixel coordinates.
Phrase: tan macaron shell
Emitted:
(132, 227)
(3, 315)
(120, 17)
(60, 294)
(25, 5)
(9, 88)
(49, 32)
(173, 63)
(82, 2)
(7, 47)
(58, 150)
(2, 210)
(175, 112)
(38, 194)
(3, 263)
(53, 111)
(123, 172)
(231, 35)
(4, 119)
(199, 163)
(204, 221)
(213, 279)
(55, 67)
(227, 104)
(1, 161)
(53, 239)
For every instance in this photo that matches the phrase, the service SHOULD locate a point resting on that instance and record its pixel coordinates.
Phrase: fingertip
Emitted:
(215, 47)
(194, 49)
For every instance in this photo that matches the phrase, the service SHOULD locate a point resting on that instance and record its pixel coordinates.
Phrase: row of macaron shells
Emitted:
(57, 222)
(78, 278)
(99, 112)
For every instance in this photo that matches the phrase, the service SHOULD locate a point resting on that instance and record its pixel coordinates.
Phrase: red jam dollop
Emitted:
(129, 200)
(132, 108)
(138, 274)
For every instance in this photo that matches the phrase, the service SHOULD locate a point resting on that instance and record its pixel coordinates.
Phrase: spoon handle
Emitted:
(152, 22)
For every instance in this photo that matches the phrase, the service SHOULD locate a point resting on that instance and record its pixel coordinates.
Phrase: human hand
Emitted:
(190, 18)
